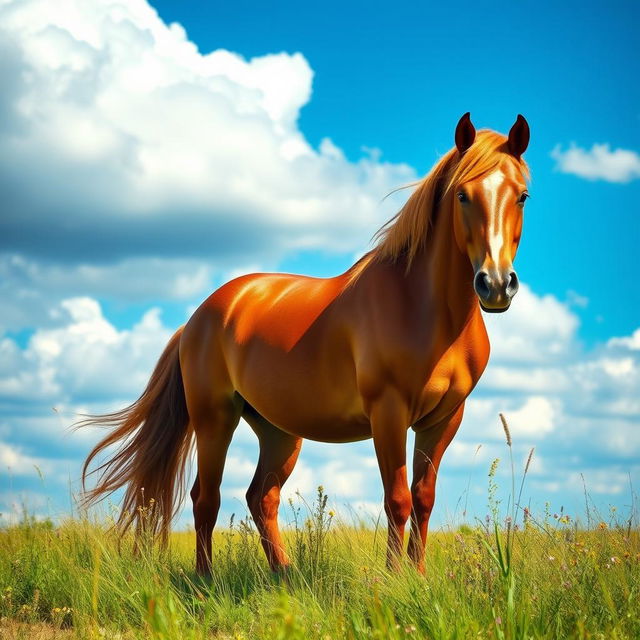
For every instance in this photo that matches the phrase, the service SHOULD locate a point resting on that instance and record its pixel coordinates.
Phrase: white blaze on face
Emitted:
(491, 184)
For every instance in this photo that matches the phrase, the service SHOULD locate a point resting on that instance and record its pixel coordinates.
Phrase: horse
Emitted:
(398, 341)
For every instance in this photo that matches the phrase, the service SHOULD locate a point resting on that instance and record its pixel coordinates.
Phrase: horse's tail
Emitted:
(154, 446)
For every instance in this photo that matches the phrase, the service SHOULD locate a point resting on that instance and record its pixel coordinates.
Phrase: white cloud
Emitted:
(631, 342)
(143, 146)
(535, 329)
(83, 357)
(598, 163)
(536, 417)
(15, 462)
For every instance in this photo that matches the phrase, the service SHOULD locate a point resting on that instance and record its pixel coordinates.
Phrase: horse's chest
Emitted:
(447, 384)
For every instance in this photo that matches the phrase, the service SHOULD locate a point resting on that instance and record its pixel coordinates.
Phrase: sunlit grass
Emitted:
(544, 578)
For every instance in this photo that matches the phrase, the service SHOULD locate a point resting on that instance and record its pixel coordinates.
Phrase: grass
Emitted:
(546, 578)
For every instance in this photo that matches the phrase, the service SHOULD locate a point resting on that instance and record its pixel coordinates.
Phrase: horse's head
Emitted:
(489, 192)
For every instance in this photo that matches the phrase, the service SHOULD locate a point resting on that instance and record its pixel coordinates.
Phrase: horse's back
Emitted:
(283, 343)
(276, 308)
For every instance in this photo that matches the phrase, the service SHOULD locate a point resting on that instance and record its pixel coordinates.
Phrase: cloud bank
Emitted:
(119, 139)
(135, 168)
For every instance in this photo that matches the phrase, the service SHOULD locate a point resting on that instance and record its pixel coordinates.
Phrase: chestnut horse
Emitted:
(397, 341)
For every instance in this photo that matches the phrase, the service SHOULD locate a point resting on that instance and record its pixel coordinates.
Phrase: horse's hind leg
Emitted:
(214, 412)
(213, 429)
(278, 456)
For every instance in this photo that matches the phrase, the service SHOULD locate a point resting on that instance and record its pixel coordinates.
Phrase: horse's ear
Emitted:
(465, 133)
(519, 137)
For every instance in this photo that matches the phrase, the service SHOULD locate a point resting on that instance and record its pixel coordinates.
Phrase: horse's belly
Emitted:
(306, 397)
(329, 429)
(312, 418)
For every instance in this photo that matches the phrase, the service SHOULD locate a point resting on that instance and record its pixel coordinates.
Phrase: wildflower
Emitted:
(603, 525)
(614, 560)
(331, 513)
(498, 620)
(551, 558)
(410, 629)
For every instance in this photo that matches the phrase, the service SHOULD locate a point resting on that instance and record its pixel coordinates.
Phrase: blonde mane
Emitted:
(406, 233)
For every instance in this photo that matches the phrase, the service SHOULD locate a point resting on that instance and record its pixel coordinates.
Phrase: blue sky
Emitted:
(147, 157)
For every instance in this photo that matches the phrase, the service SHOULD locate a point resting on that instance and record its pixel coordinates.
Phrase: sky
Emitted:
(151, 152)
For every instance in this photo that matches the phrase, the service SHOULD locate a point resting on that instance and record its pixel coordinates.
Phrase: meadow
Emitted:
(515, 577)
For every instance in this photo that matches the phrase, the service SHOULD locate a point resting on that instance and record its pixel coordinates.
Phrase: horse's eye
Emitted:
(523, 197)
(462, 196)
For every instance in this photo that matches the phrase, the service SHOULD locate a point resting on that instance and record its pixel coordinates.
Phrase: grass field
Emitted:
(545, 578)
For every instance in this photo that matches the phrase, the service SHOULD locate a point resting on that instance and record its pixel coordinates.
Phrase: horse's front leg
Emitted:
(389, 423)
(430, 445)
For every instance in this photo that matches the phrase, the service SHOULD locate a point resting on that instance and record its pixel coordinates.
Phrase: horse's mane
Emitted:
(406, 233)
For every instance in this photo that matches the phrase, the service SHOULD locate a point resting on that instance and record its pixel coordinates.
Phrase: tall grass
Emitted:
(548, 579)
(515, 575)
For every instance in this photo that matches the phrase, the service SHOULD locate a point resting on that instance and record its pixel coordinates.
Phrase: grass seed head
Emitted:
(505, 426)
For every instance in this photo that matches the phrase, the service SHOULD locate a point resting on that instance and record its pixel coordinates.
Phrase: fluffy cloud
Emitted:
(17, 462)
(598, 163)
(81, 357)
(535, 329)
(139, 144)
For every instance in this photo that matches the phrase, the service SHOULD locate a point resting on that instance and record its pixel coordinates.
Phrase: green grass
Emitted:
(548, 579)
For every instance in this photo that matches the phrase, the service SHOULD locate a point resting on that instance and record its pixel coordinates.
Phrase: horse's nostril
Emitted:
(513, 284)
(481, 284)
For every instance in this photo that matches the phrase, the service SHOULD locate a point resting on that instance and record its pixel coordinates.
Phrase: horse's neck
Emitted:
(444, 275)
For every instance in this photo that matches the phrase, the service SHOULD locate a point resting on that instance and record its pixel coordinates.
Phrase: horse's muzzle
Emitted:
(495, 289)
